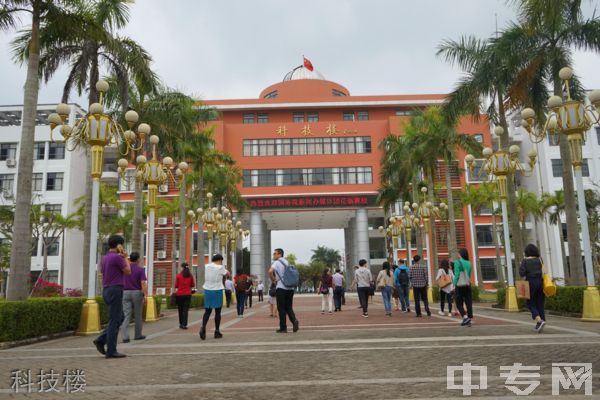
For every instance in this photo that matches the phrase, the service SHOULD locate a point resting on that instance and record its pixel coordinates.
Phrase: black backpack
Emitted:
(403, 277)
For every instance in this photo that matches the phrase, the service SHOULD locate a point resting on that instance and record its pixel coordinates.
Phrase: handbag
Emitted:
(463, 279)
(549, 287)
(522, 290)
(443, 281)
(273, 291)
(324, 290)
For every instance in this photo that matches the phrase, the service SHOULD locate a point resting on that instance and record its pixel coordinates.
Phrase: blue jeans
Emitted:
(386, 293)
(113, 297)
(403, 291)
(240, 296)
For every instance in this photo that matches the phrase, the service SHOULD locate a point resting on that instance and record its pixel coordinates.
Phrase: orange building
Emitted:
(309, 154)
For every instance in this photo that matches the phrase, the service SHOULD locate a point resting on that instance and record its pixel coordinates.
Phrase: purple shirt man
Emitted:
(112, 268)
(134, 281)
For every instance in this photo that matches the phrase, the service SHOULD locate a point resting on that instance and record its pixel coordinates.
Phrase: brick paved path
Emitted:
(337, 356)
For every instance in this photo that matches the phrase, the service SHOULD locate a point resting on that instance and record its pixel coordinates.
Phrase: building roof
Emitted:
(301, 72)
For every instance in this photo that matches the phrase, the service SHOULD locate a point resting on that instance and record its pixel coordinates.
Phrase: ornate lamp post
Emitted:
(97, 129)
(573, 119)
(153, 173)
(209, 218)
(503, 164)
(235, 233)
(408, 222)
(393, 231)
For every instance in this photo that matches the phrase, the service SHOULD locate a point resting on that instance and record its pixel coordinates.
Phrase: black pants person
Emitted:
(113, 297)
(206, 316)
(448, 297)
(464, 297)
(338, 292)
(249, 299)
(420, 293)
(536, 298)
(363, 298)
(260, 295)
(228, 297)
(183, 306)
(285, 302)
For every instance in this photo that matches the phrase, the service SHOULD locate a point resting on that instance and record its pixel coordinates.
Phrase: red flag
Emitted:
(308, 65)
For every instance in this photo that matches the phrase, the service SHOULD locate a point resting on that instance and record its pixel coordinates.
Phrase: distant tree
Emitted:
(291, 258)
(329, 257)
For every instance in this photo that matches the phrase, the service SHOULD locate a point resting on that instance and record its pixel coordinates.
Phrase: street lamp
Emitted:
(393, 231)
(97, 129)
(503, 164)
(209, 218)
(153, 173)
(573, 119)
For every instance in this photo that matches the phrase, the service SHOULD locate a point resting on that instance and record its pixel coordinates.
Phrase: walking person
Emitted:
(273, 300)
(228, 290)
(241, 291)
(385, 281)
(114, 267)
(135, 291)
(531, 269)
(338, 289)
(284, 294)
(250, 284)
(418, 279)
(326, 291)
(213, 294)
(363, 279)
(402, 282)
(395, 292)
(446, 291)
(184, 283)
(259, 290)
(462, 282)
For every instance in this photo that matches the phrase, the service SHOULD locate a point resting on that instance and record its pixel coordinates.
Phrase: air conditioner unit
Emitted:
(176, 221)
(11, 163)
(161, 290)
(162, 221)
(163, 188)
(161, 255)
(176, 253)
(7, 194)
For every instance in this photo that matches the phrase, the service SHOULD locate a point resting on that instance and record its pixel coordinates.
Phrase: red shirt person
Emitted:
(184, 282)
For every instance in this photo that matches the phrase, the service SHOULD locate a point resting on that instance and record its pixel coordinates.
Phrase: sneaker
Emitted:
(218, 335)
(322, 311)
(127, 340)
(450, 314)
(330, 312)
(419, 316)
(441, 313)
(428, 313)
(99, 346)
(465, 322)
(365, 315)
(140, 338)
(408, 309)
(296, 326)
(539, 327)
(281, 331)
(203, 333)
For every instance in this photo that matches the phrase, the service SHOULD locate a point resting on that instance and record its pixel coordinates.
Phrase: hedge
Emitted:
(197, 301)
(474, 293)
(38, 317)
(568, 299)
(44, 315)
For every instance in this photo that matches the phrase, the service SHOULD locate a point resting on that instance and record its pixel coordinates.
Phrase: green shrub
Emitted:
(474, 293)
(197, 301)
(38, 317)
(567, 299)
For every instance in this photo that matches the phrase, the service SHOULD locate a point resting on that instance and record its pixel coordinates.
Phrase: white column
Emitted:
(585, 232)
(428, 247)
(257, 245)
(511, 281)
(150, 247)
(362, 234)
(93, 238)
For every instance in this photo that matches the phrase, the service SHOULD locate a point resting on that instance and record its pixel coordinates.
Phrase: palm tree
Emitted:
(92, 45)
(545, 38)
(527, 204)
(60, 16)
(327, 256)
(489, 72)
(475, 196)
(170, 208)
(554, 207)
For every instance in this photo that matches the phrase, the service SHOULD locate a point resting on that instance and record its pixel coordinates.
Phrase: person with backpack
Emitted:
(402, 282)
(395, 293)
(326, 291)
(241, 291)
(385, 282)
(286, 277)
(364, 280)
(420, 283)
(445, 276)
(338, 289)
(462, 282)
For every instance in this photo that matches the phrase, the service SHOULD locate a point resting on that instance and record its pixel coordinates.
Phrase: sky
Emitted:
(235, 48)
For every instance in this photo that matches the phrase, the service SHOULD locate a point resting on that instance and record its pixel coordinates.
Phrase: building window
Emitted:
(335, 92)
(313, 117)
(53, 208)
(271, 95)
(54, 181)
(39, 150)
(316, 146)
(127, 183)
(263, 118)
(553, 139)
(598, 134)
(348, 116)
(308, 176)
(248, 118)
(160, 277)
(556, 167)
(56, 151)
(484, 235)
(478, 174)
(34, 247)
(403, 113)
(37, 182)
(205, 235)
(298, 117)
(54, 246)
(363, 115)
(8, 151)
(478, 137)
(489, 272)
(7, 183)
(585, 168)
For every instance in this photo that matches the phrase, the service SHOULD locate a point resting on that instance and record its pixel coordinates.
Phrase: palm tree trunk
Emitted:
(173, 258)
(415, 199)
(478, 270)
(138, 223)
(573, 241)
(452, 246)
(563, 253)
(20, 255)
(200, 239)
(62, 259)
(433, 244)
(499, 268)
(182, 218)
(515, 229)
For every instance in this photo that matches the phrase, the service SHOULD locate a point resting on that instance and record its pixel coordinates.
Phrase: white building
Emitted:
(58, 179)
(548, 178)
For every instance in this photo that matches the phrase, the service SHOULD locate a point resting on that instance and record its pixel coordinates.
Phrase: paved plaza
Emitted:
(338, 356)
